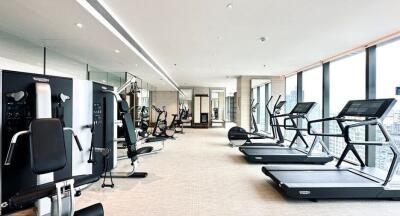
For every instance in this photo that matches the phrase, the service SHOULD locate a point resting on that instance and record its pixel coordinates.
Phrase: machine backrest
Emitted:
(47, 145)
(129, 129)
(372, 108)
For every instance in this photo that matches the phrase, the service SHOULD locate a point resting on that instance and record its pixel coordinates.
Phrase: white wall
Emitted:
(243, 114)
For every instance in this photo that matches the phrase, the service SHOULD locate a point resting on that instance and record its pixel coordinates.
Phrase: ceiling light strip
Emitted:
(103, 16)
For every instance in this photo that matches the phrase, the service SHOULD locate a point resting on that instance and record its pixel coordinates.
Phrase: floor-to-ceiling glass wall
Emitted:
(260, 91)
(262, 115)
(347, 82)
(312, 92)
(387, 86)
(291, 100)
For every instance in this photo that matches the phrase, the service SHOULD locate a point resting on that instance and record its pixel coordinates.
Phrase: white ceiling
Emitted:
(299, 32)
(209, 43)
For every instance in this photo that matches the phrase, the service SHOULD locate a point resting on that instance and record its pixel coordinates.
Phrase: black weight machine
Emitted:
(130, 139)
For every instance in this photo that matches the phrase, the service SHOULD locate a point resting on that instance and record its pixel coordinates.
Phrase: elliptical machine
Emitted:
(161, 128)
(179, 119)
(238, 136)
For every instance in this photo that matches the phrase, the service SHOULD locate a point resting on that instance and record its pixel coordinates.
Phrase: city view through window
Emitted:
(348, 78)
(387, 79)
(347, 82)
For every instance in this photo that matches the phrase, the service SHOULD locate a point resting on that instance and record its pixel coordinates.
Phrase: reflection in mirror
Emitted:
(218, 107)
(186, 106)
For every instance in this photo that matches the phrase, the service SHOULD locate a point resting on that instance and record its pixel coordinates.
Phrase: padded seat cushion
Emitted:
(155, 139)
(123, 106)
(47, 145)
(93, 210)
(144, 150)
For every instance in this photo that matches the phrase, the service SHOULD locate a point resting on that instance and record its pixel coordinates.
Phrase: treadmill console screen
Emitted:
(280, 104)
(303, 107)
(367, 108)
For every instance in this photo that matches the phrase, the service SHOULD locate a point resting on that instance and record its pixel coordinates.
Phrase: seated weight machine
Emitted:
(47, 155)
(131, 137)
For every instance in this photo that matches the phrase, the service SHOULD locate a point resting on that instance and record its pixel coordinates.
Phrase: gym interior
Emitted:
(204, 107)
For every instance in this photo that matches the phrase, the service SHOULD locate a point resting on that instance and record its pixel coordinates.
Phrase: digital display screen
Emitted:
(397, 90)
(280, 104)
(303, 108)
(366, 108)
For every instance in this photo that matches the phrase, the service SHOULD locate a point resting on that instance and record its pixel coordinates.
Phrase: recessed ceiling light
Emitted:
(263, 39)
(229, 5)
(79, 25)
(219, 38)
(136, 65)
(117, 51)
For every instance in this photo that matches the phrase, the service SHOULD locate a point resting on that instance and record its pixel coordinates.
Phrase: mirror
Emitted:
(217, 107)
(186, 105)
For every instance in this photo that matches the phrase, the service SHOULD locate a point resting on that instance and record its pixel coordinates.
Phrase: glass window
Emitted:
(312, 92)
(268, 88)
(261, 123)
(291, 100)
(254, 109)
(387, 79)
(347, 82)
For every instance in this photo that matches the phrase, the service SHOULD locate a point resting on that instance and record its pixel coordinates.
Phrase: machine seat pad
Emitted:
(85, 179)
(29, 195)
(123, 106)
(155, 139)
(144, 150)
(93, 210)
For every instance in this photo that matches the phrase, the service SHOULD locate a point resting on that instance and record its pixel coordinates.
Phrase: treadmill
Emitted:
(291, 153)
(325, 182)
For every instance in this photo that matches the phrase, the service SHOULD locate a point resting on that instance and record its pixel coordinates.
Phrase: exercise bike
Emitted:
(161, 128)
(238, 136)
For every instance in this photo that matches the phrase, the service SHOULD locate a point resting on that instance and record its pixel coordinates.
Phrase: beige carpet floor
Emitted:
(199, 174)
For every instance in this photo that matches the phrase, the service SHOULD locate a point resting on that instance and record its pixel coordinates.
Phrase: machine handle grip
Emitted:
(78, 143)
(75, 137)
(10, 154)
(12, 147)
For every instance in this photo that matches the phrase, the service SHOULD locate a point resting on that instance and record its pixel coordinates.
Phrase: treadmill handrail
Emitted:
(292, 117)
(314, 133)
(346, 133)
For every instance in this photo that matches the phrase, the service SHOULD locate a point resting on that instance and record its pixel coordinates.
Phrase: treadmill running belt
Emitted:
(320, 177)
(273, 151)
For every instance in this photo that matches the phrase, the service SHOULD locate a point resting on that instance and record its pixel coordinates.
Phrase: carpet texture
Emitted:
(199, 174)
